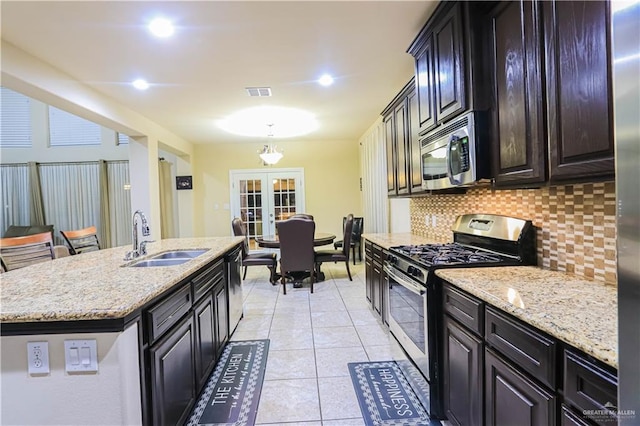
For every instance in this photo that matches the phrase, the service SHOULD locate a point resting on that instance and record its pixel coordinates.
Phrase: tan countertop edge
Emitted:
(98, 285)
(577, 311)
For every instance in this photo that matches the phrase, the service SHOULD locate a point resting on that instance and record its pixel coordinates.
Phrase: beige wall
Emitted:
(331, 173)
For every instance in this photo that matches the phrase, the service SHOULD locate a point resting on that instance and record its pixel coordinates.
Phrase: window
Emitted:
(16, 119)
(66, 129)
(123, 139)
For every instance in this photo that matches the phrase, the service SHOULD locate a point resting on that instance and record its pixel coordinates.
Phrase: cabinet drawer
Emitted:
(376, 251)
(529, 349)
(368, 248)
(206, 280)
(168, 312)
(589, 387)
(570, 418)
(467, 310)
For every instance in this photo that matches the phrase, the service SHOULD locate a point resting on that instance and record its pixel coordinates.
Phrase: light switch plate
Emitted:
(38, 358)
(81, 356)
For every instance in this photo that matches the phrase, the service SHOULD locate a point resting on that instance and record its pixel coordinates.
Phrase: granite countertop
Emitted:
(575, 310)
(95, 285)
(398, 239)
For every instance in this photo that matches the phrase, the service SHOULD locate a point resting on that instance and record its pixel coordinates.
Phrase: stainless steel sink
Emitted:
(179, 254)
(159, 262)
(169, 258)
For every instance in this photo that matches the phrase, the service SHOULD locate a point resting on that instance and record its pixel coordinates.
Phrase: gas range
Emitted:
(479, 240)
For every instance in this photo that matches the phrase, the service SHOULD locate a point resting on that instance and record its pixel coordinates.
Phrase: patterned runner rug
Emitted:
(385, 395)
(232, 393)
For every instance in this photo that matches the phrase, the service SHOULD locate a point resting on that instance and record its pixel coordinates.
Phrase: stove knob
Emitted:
(392, 259)
(411, 270)
(417, 273)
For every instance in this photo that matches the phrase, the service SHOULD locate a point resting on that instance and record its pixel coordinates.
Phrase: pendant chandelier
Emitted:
(269, 153)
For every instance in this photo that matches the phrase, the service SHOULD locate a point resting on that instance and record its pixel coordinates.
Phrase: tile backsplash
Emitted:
(576, 224)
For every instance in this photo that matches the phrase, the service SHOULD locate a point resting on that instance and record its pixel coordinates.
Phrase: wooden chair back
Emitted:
(82, 240)
(18, 252)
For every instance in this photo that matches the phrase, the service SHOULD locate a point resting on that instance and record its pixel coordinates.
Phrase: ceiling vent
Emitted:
(260, 92)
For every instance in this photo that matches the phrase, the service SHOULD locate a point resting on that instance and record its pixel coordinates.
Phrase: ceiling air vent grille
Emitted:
(259, 91)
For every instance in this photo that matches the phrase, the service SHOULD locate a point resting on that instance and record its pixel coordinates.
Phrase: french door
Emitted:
(261, 198)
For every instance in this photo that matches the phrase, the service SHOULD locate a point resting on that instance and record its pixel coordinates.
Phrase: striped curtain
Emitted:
(374, 179)
(119, 202)
(14, 184)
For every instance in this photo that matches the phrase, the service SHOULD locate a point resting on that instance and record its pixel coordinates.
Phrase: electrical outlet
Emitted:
(38, 358)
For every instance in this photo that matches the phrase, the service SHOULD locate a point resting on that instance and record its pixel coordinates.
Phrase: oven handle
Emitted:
(415, 288)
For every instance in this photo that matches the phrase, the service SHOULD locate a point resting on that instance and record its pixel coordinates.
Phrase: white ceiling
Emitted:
(219, 48)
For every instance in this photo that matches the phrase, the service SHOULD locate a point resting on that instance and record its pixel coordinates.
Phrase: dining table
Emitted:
(319, 239)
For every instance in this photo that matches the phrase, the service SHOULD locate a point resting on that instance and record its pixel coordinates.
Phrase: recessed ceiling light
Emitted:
(325, 80)
(140, 84)
(161, 27)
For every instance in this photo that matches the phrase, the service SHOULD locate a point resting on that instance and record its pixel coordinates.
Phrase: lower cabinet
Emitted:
(184, 334)
(375, 282)
(499, 370)
(221, 319)
(463, 354)
(172, 365)
(514, 399)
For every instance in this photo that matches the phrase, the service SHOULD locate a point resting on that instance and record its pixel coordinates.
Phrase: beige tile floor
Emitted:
(312, 338)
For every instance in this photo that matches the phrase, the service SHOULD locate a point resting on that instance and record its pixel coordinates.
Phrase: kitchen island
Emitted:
(138, 316)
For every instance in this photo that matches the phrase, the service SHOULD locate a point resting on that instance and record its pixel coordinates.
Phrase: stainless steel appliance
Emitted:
(626, 91)
(452, 155)
(414, 308)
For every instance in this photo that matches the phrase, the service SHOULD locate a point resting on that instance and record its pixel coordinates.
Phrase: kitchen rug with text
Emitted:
(232, 393)
(385, 395)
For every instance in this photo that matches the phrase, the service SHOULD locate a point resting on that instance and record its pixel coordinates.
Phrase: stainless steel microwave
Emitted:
(452, 155)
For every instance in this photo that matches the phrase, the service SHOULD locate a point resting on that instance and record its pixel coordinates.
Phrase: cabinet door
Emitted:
(368, 270)
(513, 399)
(518, 127)
(415, 159)
(425, 86)
(173, 388)
(205, 350)
(462, 375)
(450, 73)
(402, 148)
(577, 46)
(377, 287)
(221, 317)
(389, 133)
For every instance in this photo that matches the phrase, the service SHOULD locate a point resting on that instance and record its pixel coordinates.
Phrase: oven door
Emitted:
(408, 321)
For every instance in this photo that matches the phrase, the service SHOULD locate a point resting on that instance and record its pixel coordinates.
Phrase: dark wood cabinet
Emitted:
(403, 151)
(463, 370)
(578, 87)
(519, 138)
(449, 65)
(375, 282)
(571, 418)
(390, 143)
(398, 142)
(221, 318)
(425, 89)
(414, 156)
(205, 342)
(172, 373)
(514, 399)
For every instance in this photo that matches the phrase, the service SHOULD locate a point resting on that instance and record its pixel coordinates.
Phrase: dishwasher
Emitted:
(233, 266)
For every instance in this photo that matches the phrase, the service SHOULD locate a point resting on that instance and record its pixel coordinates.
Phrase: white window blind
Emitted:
(123, 139)
(15, 109)
(66, 129)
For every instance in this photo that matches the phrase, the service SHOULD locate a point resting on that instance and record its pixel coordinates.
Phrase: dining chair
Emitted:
(296, 249)
(82, 240)
(254, 259)
(356, 238)
(301, 216)
(19, 252)
(339, 255)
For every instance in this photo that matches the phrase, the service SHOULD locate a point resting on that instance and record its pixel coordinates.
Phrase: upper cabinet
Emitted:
(518, 142)
(448, 63)
(551, 111)
(579, 102)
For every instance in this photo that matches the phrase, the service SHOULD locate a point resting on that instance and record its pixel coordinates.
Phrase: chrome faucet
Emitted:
(141, 249)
